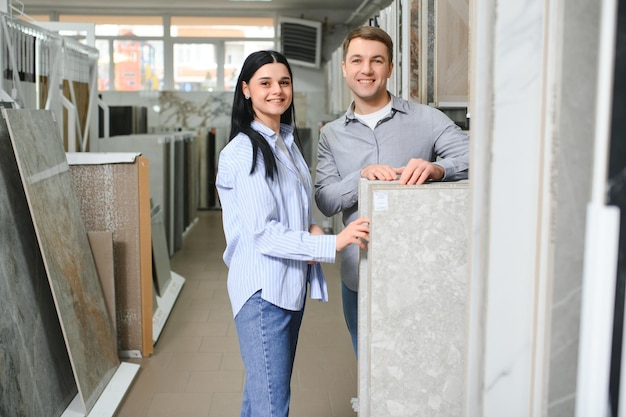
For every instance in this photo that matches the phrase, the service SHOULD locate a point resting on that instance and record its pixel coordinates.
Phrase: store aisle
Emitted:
(196, 370)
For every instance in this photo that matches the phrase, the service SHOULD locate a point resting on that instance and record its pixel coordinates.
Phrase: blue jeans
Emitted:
(350, 300)
(267, 340)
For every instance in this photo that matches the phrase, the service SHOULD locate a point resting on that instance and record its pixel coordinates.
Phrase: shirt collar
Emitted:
(397, 104)
(286, 131)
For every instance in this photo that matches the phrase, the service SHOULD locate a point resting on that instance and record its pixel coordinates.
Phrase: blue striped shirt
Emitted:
(266, 224)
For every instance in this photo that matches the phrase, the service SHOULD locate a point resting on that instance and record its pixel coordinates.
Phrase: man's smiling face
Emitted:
(366, 69)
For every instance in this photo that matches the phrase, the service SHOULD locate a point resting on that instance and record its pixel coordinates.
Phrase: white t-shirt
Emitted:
(372, 119)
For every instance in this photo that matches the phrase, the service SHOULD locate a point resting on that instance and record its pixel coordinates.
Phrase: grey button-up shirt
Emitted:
(346, 146)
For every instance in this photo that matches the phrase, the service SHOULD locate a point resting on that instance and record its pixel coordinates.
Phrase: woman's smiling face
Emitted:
(271, 92)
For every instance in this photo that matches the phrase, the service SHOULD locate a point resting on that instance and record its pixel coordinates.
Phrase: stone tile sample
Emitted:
(101, 244)
(162, 271)
(159, 149)
(188, 110)
(412, 295)
(113, 197)
(36, 377)
(64, 247)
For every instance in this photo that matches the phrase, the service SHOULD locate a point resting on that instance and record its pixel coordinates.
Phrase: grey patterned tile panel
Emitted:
(36, 376)
(64, 246)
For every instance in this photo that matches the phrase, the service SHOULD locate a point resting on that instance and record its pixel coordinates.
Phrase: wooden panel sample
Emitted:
(36, 376)
(452, 52)
(64, 246)
(145, 253)
(101, 244)
(114, 197)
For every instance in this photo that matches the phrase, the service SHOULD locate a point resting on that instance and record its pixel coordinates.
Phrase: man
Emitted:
(380, 137)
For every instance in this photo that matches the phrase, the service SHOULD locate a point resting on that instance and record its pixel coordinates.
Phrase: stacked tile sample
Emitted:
(113, 191)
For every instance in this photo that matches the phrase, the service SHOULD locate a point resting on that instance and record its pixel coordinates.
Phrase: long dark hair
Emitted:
(243, 113)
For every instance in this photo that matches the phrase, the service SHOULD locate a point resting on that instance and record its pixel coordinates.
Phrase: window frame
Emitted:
(168, 47)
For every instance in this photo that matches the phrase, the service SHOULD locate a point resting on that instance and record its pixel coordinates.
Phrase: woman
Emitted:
(273, 247)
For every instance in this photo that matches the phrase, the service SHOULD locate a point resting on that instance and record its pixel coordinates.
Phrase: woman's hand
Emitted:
(355, 233)
(316, 230)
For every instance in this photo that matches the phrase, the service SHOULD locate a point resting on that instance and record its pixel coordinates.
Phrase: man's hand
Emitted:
(379, 172)
(418, 170)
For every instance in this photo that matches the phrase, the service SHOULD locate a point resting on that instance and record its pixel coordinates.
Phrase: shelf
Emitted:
(110, 398)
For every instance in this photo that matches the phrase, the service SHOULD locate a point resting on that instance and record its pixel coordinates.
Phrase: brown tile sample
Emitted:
(101, 243)
(114, 197)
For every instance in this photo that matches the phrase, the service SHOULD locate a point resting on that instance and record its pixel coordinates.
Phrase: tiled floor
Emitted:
(196, 370)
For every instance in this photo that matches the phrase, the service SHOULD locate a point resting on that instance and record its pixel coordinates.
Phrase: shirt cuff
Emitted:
(326, 248)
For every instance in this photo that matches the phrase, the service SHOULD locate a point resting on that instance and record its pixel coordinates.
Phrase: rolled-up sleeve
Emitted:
(333, 193)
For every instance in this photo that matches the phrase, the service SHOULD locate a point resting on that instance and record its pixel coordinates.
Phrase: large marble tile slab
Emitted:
(109, 194)
(64, 247)
(36, 376)
(412, 297)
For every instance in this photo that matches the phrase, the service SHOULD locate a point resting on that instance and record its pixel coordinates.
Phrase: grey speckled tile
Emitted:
(71, 271)
(412, 296)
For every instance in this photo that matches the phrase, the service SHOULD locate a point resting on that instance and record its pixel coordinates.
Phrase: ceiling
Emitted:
(337, 16)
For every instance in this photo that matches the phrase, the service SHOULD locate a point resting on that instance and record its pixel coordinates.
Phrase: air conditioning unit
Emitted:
(301, 41)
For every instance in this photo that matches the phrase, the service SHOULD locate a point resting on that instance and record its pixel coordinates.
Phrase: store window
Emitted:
(207, 52)
(131, 50)
(144, 26)
(104, 70)
(195, 67)
(137, 65)
(207, 69)
(235, 52)
(222, 27)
